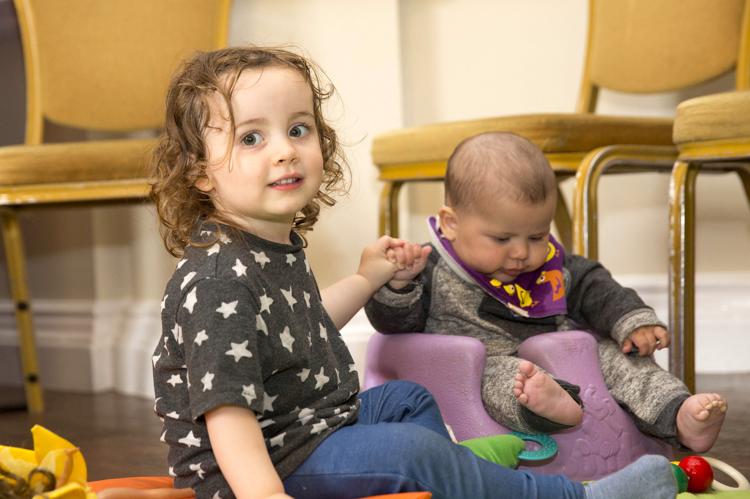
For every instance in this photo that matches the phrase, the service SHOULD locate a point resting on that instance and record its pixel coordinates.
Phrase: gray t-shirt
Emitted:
(243, 324)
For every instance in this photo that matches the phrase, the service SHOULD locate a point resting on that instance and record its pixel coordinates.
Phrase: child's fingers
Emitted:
(662, 335)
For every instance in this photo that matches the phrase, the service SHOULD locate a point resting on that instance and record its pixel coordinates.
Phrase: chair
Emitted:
(96, 66)
(712, 134)
(633, 46)
(452, 367)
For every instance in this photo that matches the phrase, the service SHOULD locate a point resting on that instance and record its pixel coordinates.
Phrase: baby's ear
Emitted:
(448, 222)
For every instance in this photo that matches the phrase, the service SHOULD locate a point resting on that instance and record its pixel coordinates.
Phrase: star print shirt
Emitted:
(243, 324)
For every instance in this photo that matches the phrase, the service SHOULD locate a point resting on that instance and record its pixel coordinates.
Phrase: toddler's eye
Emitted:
(502, 239)
(299, 130)
(252, 139)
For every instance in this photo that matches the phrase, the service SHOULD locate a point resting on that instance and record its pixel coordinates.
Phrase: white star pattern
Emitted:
(290, 259)
(278, 440)
(321, 379)
(177, 333)
(260, 324)
(265, 303)
(239, 268)
(155, 359)
(208, 381)
(307, 266)
(190, 300)
(173, 415)
(239, 350)
(266, 422)
(307, 298)
(171, 472)
(352, 368)
(290, 299)
(268, 401)
(163, 437)
(318, 427)
(248, 391)
(200, 337)
(181, 263)
(323, 332)
(217, 496)
(213, 249)
(224, 238)
(175, 380)
(190, 440)
(185, 280)
(303, 374)
(198, 471)
(228, 309)
(166, 339)
(286, 339)
(305, 415)
(164, 302)
(260, 258)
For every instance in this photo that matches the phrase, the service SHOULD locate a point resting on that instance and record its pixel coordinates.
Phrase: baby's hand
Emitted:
(646, 339)
(410, 259)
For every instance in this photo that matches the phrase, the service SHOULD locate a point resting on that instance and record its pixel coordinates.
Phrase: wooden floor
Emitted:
(119, 435)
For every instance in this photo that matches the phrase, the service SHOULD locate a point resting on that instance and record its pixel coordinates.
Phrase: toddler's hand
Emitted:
(410, 259)
(646, 339)
(375, 264)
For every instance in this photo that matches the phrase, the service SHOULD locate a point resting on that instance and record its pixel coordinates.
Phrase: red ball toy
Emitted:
(699, 473)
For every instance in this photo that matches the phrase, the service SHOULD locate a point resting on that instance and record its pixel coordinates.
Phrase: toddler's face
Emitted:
(273, 166)
(507, 239)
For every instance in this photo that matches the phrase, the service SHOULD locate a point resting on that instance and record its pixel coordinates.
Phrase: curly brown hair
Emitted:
(180, 158)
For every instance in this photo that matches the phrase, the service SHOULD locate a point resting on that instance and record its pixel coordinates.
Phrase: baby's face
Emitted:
(507, 239)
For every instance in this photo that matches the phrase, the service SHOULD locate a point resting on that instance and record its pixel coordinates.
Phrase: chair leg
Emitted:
(562, 220)
(682, 271)
(16, 263)
(744, 173)
(388, 223)
(585, 195)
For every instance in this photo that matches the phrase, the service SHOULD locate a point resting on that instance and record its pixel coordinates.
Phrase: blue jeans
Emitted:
(400, 444)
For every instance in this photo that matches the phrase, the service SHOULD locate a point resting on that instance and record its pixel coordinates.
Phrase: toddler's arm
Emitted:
(344, 298)
(238, 444)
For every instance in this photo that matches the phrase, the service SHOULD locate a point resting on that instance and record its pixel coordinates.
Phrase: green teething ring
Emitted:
(548, 447)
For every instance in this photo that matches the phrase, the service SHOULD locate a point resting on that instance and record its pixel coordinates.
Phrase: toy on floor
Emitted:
(696, 474)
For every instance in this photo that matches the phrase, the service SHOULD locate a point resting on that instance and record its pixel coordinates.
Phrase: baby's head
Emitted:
(500, 197)
(214, 155)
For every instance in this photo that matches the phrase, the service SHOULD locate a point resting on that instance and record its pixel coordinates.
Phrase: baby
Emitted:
(496, 274)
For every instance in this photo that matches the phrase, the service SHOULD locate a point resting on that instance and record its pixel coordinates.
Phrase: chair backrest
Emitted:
(647, 46)
(105, 65)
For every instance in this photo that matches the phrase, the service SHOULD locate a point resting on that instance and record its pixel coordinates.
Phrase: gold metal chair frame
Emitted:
(100, 172)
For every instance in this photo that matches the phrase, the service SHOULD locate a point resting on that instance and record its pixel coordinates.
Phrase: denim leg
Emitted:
(401, 402)
(399, 444)
(385, 458)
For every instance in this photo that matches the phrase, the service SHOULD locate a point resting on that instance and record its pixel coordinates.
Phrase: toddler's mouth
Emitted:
(286, 182)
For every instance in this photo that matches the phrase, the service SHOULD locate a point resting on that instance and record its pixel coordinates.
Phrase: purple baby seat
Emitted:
(451, 368)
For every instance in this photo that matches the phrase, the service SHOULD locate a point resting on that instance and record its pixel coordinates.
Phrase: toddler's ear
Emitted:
(204, 184)
(448, 222)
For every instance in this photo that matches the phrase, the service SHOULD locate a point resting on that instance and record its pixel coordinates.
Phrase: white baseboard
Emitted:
(91, 347)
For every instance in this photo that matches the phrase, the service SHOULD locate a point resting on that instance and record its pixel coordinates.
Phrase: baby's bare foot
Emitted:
(542, 395)
(699, 420)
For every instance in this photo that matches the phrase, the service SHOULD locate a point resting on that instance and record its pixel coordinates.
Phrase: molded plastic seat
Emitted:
(451, 368)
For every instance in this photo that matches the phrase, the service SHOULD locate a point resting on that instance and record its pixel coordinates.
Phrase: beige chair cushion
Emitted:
(72, 162)
(554, 133)
(713, 117)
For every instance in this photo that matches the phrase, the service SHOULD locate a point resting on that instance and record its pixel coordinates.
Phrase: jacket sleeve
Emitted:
(597, 301)
(404, 310)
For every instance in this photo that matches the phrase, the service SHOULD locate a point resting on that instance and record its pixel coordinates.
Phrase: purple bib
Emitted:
(539, 293)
